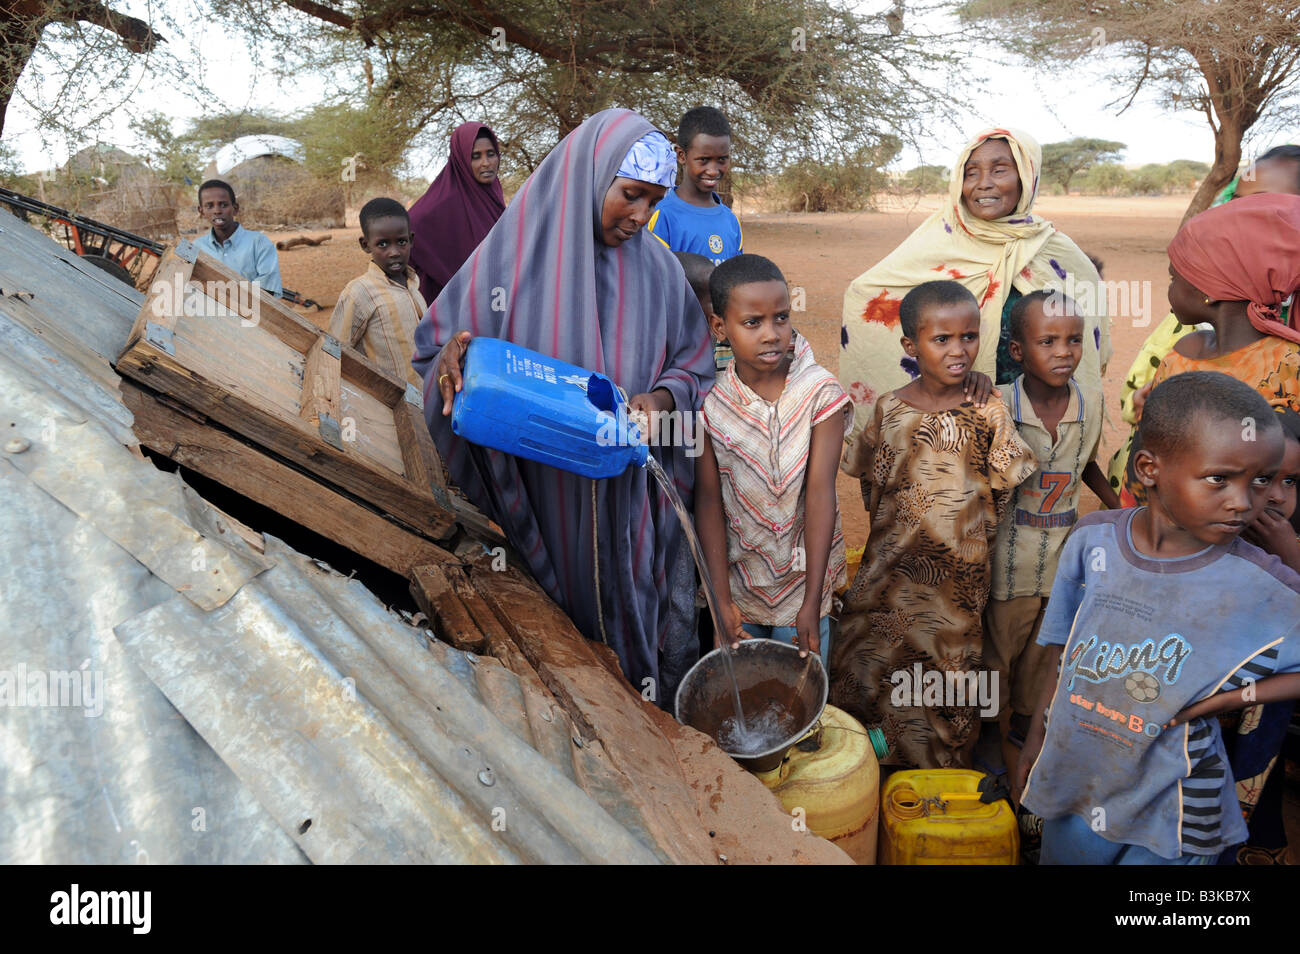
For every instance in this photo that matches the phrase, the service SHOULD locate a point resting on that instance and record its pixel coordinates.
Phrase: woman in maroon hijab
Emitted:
(460, 208)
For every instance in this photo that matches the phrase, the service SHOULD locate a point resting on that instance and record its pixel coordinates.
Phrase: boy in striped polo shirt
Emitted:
(1061, 423)
(765, 504)
(377, 312)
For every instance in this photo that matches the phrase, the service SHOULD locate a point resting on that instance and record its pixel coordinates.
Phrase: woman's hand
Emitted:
(451, 362)
(660, 399)
(643, 410)
(977, 388)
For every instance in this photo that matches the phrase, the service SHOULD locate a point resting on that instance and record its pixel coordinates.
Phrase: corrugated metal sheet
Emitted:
(355, 736)
(167, 694)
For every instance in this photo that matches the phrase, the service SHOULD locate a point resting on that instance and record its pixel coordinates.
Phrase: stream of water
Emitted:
(739, 729)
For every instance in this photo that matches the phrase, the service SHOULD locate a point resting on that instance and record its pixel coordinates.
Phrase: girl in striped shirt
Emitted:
(766, 509)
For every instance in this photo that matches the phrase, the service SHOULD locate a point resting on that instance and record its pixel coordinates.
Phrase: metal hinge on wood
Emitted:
(330, 431)
(186, 251)
(161, 337)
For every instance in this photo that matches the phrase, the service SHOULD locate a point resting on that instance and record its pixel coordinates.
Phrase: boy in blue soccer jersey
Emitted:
(691, 217)
(1157, 609)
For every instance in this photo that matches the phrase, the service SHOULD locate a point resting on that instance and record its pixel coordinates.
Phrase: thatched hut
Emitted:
(113, 186)
(275, 190)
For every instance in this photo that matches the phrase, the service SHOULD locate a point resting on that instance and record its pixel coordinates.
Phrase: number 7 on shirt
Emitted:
(1054, 482)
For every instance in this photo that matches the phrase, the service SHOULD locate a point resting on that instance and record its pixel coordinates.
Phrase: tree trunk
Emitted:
(1227, 157)
(17, 41)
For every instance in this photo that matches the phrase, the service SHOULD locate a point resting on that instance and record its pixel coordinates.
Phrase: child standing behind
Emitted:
(765, 504)
(1154, 609)
(1061, 423)
(377, 313)
(698, 271)
(691, 217)
(936, 472)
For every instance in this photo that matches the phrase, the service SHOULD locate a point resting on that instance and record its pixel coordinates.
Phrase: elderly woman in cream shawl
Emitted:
(987, 238)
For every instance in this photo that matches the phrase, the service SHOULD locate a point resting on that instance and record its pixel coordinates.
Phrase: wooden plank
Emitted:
(392, 493)
(275, 378)
(604, 708)
(320, 388)
(450, 620)
(461, 617)
(371, 378)
(216, 454)
(170, 282)
(420, 460)
(370, 428)
(266, 311)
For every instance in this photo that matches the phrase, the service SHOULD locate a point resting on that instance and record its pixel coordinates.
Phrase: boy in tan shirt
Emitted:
(377, 312)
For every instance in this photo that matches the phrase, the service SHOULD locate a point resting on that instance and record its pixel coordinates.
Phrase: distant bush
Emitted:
(926, 180)
(813, 186)
(1110, 178)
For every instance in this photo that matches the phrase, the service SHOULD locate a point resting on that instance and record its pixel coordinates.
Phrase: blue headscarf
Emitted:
(651, 159)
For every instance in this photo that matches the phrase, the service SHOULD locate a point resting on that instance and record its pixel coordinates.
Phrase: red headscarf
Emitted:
(1245, 250)
(451, 219)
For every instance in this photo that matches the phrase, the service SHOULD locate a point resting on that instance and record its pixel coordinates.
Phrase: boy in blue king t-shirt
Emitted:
(691, 217)
(1156, 609)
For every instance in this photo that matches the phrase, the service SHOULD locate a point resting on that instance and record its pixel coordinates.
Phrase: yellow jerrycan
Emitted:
(831, 779)
(935, 817)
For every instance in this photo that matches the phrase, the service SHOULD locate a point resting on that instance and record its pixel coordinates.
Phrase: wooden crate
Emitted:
(273, 377)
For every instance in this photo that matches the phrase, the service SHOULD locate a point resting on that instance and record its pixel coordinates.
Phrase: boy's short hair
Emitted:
(702, 120)
(1290, 422)
(1179, 408)
(1287, 153)
(697, 269)
(382, 208)
(218, 184)
(739, 270)
(1060, 303)
(944, 292)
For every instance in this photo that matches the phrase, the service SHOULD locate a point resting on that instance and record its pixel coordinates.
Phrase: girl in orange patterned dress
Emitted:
(1233, 266)
(936, 471)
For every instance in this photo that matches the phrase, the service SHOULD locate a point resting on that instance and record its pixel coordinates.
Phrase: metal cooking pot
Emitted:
(765, 669)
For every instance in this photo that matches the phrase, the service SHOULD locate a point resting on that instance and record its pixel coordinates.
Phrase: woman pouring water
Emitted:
(568, 271)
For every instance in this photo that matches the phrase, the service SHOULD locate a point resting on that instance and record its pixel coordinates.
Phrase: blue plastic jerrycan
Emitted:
(534, 406)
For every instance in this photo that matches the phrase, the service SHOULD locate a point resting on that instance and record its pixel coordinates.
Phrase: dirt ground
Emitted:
(824, 252)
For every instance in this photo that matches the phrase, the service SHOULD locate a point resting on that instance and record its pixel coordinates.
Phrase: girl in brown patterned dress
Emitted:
(936, 471)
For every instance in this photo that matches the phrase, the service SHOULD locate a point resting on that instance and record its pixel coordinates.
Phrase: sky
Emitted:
(1053, 107)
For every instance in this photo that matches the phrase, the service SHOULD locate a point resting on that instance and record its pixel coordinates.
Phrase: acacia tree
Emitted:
(23, 23)
(1234, 61)
(1063, 161)
(805, 78)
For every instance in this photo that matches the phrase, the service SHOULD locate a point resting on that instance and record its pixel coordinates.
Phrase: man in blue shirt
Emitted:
(251, 254)
(691, 217)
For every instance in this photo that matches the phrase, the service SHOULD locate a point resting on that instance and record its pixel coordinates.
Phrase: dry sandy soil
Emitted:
(824, 252)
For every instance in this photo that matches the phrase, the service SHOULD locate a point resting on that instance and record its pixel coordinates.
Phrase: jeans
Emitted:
(1070, 840)
(787, 634)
